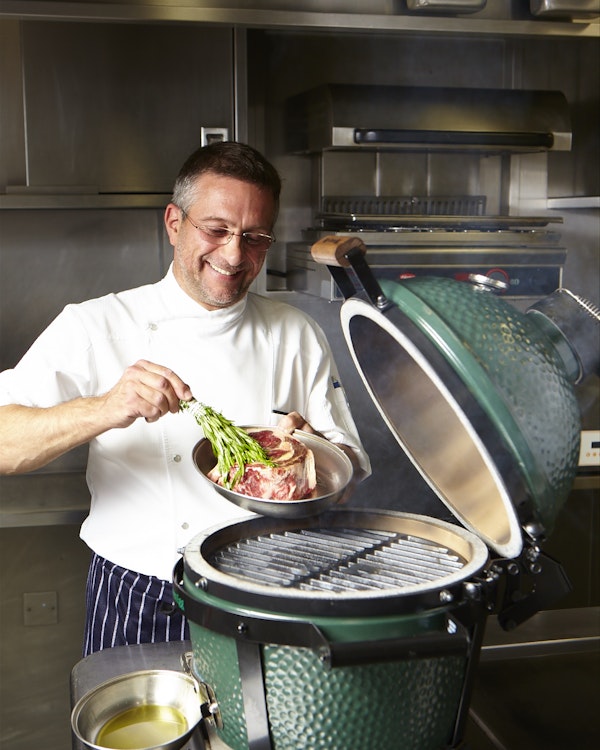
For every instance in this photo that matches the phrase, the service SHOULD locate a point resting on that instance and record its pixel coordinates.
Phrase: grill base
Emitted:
(411, 704)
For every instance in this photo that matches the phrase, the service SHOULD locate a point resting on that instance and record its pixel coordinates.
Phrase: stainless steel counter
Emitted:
(537, 687)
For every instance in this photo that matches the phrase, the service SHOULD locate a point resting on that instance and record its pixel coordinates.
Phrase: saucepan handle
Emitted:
(209, 708)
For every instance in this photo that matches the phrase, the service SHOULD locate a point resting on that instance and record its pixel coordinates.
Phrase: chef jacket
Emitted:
(247, 360)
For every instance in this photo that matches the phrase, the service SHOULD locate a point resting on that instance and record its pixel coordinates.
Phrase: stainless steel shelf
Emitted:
(548, 632)
(43, 499)
(389, 23)
(48, 200)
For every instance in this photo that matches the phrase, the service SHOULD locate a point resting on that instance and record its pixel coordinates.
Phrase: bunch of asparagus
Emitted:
(231, 444)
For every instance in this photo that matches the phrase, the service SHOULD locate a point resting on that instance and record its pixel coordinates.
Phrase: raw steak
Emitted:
(292, 478)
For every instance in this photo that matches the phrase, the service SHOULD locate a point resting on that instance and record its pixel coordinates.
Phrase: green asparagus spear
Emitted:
(232, 445)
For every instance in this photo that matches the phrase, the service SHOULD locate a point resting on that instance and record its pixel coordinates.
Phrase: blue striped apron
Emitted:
(124, 607)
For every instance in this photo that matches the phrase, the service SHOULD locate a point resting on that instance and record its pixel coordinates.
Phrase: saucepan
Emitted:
(333, 469)
(148, 710)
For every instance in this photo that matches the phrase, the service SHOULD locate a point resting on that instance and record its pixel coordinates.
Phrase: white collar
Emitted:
(178, 304)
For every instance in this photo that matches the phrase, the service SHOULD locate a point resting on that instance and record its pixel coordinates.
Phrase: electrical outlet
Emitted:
(40, 608)
(589, 450)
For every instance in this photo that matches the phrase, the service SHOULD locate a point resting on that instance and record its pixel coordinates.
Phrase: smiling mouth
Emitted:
(222, 271)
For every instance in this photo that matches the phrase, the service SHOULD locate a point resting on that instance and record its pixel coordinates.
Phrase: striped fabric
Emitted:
(124, 607)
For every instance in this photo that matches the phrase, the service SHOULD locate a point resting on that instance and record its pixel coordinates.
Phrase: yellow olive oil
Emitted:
(142, 726)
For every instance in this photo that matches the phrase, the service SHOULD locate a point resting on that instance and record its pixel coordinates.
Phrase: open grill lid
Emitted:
(400, 117)
(476, 394)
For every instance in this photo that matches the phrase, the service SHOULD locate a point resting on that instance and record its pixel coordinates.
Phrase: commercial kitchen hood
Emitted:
(341, 116)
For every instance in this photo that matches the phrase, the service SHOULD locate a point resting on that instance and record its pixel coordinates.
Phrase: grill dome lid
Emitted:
(478, 398)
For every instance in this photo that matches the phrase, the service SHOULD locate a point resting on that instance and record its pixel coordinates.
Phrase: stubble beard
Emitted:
(204, 293)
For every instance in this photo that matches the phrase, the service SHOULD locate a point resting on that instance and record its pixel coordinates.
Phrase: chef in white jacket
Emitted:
(111, 371)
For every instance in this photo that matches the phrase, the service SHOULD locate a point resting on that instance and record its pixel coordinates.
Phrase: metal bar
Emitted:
(342, 280)
(528, 140)
(256, 630)
(254, 696)
(293, 20)
(420, 646)
(476, 639)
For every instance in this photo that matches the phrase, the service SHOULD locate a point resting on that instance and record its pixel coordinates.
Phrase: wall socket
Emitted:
(40, 608)
(589, 450)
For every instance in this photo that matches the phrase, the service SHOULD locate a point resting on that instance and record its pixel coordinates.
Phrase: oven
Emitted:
(445, 182)
(525, 257)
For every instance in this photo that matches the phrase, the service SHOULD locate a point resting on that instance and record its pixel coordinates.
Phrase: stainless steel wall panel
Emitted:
(51, 258)
(36, 660)
(12, 128)
(403, 174)
(117, 108)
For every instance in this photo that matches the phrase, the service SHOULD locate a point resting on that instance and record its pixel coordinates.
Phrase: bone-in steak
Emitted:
(292, 478)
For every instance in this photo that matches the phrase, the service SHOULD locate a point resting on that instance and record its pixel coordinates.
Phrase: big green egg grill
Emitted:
(346, 630)
(362, 629)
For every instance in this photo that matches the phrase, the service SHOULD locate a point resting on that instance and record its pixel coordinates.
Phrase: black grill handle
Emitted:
(304, 634)
(394, 649)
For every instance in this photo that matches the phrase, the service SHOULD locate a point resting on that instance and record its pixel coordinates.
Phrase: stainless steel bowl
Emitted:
(333, 468)
(164, 690)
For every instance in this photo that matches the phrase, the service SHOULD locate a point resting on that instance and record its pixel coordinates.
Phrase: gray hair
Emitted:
(230, 159)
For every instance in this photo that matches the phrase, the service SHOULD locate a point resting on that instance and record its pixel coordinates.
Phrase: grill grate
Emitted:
(337, 560)
(441, 205)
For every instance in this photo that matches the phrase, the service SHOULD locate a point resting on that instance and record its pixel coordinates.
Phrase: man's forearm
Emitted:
(31, 437)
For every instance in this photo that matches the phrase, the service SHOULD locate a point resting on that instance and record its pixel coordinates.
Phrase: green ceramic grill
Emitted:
(347, 630)
(358, 629)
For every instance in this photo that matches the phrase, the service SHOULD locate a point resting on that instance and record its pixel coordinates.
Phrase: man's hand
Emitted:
(145, 390)
(295, 421)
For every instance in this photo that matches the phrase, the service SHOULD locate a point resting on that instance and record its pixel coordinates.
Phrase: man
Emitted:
(111, 372)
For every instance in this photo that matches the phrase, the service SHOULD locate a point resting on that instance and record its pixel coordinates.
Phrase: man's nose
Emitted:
(233, 251)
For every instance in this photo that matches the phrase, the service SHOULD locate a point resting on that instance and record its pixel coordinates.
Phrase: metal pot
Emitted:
(333, 469)
(148, 710)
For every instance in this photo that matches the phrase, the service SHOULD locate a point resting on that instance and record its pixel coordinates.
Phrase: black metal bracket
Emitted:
(260, 629)
(516, 589)
(254, 696)
(533, 582)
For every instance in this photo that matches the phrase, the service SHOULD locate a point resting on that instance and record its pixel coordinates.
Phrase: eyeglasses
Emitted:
(222, 235)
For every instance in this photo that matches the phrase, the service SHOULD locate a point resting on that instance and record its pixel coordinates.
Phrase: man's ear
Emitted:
(173, 219)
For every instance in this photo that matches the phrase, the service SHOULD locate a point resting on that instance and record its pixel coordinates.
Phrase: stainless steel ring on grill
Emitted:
(344, 562)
